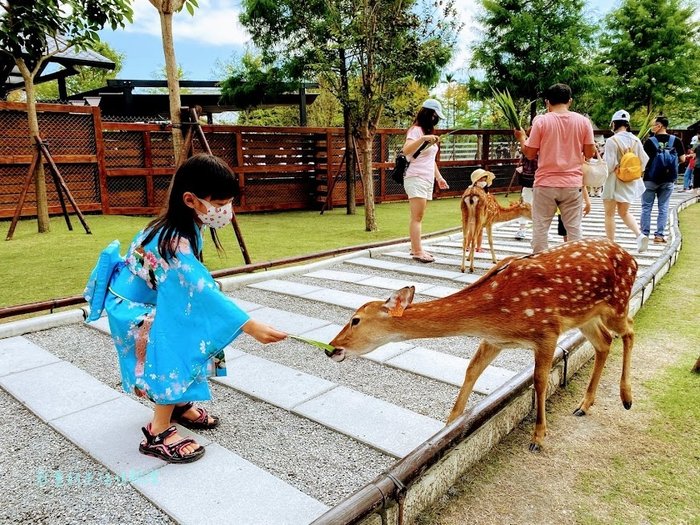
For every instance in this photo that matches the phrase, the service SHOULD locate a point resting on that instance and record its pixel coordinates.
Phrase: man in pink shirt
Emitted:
(560, 139)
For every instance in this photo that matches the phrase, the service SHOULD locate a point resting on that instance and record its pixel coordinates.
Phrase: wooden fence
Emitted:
(125, 168)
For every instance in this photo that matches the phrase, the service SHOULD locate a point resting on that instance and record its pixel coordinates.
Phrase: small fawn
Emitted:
(481, 210)
(523, 302)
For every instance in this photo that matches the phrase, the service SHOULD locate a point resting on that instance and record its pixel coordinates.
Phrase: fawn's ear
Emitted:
(400, 300)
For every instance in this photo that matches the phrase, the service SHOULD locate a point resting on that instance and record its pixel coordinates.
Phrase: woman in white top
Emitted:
(618, 195)
(422, 171)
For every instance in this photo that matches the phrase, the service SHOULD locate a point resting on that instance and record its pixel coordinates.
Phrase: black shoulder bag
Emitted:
(401, 164)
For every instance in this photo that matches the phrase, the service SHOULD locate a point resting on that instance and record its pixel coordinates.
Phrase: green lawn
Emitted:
(40, 267)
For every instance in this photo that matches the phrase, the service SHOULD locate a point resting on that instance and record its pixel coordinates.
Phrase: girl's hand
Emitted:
(262, 332)
(442, 184)
(431, 139)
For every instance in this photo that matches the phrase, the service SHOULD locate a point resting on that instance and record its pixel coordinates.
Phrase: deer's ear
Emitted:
(400, 300)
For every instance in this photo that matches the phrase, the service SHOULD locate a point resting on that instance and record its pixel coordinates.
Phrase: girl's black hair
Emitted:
(426, 120)
(207, 177)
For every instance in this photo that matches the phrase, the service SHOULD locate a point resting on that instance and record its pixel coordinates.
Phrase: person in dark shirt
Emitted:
(658, 190)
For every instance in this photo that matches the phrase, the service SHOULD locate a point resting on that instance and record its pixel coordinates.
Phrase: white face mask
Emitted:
(216, 217)
(481, 184)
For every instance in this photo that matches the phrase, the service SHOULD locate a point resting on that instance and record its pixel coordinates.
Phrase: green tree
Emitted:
(529, 45)
(651, 51)
(89, 78)
(366, 51)
(33, 31)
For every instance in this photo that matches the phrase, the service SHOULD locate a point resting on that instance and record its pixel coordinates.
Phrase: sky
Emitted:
(213, 37)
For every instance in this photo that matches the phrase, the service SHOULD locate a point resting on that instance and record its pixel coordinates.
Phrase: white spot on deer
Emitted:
(524, 293)
(515, 299)
(529, 312)
(557, 280)
(505, 310)
(494, 284)
(576, 254)
(488, 296)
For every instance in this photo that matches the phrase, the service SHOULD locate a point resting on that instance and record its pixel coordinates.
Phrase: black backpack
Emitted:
(664, 167)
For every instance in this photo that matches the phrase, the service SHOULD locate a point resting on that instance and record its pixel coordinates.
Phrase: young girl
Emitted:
(169, 321)
(483, 179)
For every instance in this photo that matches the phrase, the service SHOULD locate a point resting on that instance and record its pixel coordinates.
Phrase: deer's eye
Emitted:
(355, 321)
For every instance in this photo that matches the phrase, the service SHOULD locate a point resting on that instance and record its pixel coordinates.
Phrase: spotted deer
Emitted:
(481, 210)
(522, 302)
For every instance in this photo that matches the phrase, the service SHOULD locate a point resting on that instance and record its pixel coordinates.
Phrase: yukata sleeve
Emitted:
(191, 311)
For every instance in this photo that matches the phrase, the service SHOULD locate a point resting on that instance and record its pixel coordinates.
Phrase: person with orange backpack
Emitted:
(626, 159)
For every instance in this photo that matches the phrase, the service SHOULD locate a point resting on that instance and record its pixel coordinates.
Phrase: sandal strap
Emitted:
(179, 410)
(159, 438)
(203, 416)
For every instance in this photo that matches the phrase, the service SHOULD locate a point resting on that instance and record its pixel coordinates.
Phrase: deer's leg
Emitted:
(477, 364)
(544, 353)
(623, 326)
(464, 246)
(493, 252)
(600, 338)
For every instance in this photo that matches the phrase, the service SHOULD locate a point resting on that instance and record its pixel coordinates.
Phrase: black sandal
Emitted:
(201, 423)
(172, 453)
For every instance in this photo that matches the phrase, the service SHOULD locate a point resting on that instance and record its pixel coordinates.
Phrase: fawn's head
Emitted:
(370, 326)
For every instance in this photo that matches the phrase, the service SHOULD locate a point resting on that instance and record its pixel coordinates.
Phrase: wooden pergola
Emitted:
(57, 67)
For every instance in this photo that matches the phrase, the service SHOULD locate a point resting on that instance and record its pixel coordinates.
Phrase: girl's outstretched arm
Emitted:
(262, 332)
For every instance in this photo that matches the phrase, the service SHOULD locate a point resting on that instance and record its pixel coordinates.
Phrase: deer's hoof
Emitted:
(627, 404)
(535, 447)
(579, 412)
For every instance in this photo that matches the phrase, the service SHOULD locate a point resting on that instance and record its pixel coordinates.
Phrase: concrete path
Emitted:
(287, 404)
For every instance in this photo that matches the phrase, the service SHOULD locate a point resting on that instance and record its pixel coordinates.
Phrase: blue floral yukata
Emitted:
(169, 320)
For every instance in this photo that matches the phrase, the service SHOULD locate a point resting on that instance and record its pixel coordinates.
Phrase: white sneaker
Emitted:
(520, 235)
(642, 243)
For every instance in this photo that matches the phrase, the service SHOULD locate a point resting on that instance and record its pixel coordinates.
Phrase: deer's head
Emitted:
(371, 325)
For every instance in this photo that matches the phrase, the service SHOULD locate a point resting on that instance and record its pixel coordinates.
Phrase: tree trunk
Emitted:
(349, 149)
(172, 74)
(364, 146)
(42, 205)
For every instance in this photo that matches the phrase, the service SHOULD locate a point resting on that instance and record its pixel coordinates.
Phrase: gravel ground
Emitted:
(46, 479)
(318, 461)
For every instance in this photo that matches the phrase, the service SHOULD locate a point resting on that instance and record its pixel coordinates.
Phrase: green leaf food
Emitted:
(322, 346)
(505, 103)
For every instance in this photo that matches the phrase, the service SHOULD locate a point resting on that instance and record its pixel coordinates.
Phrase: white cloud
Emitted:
(215, 23)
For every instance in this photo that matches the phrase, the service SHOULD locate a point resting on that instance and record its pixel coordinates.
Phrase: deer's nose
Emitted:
(337, 354)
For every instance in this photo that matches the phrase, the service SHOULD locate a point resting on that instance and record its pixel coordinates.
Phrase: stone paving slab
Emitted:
(228, 489)
(375, 281)
(56, 390)
(384, 426)
(448, 369)
(276, 384)
(340, 298)
(387, 351)
(288, 321)
(285, 287)
(335, 275)
(18, 354)
(413, 269)
(111, 432)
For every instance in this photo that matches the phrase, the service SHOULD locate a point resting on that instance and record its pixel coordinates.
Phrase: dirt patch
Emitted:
(516, 486)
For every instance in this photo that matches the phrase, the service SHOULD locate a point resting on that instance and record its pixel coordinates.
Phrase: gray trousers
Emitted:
(545, 201)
